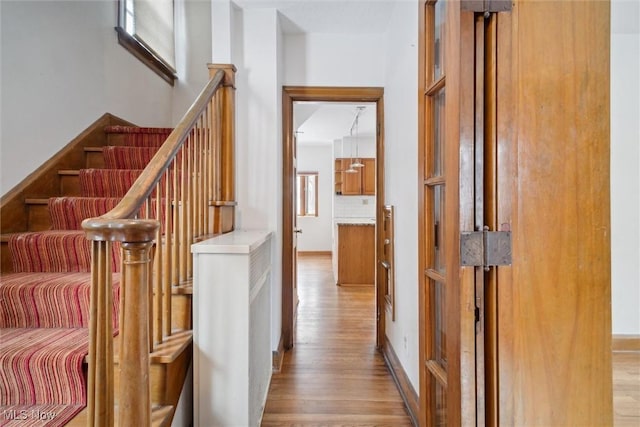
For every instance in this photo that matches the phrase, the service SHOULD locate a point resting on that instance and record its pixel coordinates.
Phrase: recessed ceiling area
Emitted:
(324, 122)
(328, 16)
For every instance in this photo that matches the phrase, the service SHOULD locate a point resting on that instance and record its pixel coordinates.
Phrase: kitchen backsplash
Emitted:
(355, 207)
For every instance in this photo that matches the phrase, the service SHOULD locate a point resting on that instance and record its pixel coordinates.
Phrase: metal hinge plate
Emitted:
(483, 6)
(485, 248)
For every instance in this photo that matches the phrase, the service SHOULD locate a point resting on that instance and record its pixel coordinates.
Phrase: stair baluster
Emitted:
(190, 175)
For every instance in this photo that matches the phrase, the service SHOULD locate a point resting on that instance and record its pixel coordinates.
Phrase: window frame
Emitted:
(141, 50)
(302, 184)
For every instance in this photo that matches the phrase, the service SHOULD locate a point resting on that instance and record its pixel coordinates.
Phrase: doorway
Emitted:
(289, 246)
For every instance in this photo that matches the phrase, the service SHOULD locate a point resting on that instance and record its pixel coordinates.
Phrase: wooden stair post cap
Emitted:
(124, 230)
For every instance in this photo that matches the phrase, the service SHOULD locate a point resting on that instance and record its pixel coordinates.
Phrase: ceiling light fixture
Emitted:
(350, 169)
(356, 163)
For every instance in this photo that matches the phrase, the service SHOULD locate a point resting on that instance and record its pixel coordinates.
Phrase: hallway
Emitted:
(333, 376)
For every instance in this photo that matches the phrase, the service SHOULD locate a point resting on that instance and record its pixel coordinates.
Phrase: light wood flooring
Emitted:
(626, 389)
(335, 377)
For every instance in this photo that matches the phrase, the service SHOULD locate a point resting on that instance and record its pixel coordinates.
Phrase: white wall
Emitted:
(346, 147)
(316, 231)
(334, 59)
(257, 52)
(401, 179)
(625, 158)
(62, 68)
(193, 52)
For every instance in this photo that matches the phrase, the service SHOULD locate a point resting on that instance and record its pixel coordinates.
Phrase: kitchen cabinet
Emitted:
(337, 172)
(356, 254)
(360, 182)
(369, 177)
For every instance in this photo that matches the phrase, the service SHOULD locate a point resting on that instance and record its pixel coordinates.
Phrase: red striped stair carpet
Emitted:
(44, 303)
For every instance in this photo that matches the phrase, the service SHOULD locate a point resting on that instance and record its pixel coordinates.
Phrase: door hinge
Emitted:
(486, 6)
(485, 248)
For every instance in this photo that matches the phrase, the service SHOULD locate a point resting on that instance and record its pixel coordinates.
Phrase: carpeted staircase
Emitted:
(44, 302)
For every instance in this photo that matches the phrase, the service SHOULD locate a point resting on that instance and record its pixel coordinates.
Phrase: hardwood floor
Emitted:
(626, 389)
(334, 376)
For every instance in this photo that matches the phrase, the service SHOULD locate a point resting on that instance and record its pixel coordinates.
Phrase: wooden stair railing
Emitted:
(191, 176)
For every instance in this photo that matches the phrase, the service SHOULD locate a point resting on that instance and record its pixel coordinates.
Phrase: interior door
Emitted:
(438, 223)
(549, 174)
(515, 138)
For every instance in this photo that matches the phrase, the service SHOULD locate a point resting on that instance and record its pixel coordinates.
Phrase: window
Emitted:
(145, 28)
(307, 193)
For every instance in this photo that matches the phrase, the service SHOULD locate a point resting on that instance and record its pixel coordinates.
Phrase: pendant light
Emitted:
(357, 163)
(350, 169)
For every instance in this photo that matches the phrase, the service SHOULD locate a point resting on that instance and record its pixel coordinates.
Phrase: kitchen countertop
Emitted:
(355, 221)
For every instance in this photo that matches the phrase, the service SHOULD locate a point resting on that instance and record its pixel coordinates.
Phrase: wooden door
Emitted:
(550, 172)
(437, 222)
(523, 148)
(369, 177)
(351, 179)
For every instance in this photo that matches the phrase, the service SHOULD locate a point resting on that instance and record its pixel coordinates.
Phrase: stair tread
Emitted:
(69, 172)
(4, 237)
(165, 352)
(160, 416)
(135, 129)
(36, 201)
(93, 149)
(184, 288)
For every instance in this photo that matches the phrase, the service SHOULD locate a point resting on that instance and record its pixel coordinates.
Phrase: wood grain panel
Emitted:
(554, 311)
(369, 177)
(356, 254)
(351, 181)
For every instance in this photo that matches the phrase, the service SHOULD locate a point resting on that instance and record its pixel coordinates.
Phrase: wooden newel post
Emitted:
(137, 237)
(228, 121)
(225, 163)
(134, 393)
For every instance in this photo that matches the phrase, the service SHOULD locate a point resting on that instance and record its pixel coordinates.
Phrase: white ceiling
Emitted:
(328, 16)
(324, 122)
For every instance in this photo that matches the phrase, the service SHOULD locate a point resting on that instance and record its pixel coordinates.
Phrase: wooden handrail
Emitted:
(185, 194)
(146, 182)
